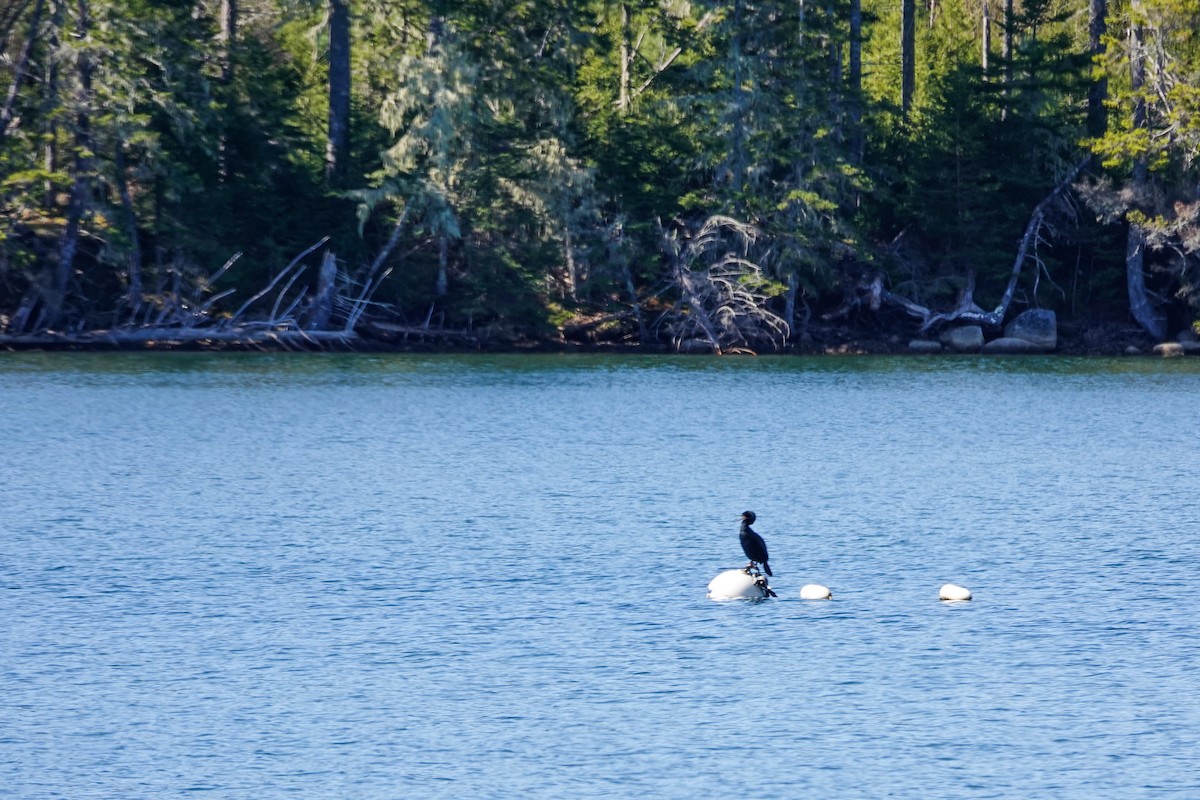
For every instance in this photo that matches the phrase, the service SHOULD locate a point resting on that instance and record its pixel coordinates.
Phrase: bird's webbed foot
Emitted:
(761, 583)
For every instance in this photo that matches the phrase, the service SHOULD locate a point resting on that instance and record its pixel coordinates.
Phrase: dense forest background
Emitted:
(737, 174)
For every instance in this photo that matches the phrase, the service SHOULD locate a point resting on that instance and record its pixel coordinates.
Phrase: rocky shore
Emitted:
(1034, 332)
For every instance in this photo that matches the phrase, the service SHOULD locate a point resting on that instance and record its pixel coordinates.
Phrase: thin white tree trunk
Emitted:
(1135, 243)
(985, 50)
(623, 88)
(569, 255)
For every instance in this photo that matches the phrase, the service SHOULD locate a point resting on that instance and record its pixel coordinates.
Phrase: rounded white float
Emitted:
(736, 584)
(815, 591)
(952, 592)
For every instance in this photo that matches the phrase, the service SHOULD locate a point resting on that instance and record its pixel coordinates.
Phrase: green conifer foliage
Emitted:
(529, 164)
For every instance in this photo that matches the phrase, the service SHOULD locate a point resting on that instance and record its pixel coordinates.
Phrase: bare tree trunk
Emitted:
(627, 274)
(835, 81)
(623, 88)
(227, 37)
(80, 169)
(835, 69)
(50, 101)
(68, 247)
(227, 41)
(908, 56)
(131, 230)
(1097, 116)
(322, 306)
(338, 147)
(1009, 22)
(1135, 244)
(985, 50)
(569, 256)
(443, 259)
(789, 300)
(856, 133)
(737, 146)
(392, 241)
(14, 89)
(1139, 301)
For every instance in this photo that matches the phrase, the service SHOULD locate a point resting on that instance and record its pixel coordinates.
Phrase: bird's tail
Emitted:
(767, 569)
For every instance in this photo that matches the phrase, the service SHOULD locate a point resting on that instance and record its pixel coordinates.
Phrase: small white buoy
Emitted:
(951, 592)
(815, 591)
(737, 584)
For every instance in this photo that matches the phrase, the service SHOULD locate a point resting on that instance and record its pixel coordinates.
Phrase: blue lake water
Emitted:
(484, 577)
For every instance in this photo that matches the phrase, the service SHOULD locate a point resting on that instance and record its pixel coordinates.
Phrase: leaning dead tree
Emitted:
(721, 304)
(870, 290)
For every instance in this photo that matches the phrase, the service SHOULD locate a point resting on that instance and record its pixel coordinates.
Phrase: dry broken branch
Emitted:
(719, 304)
(237, 315)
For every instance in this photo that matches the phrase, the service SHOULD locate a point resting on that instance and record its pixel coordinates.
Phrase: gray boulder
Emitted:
(1037, 325)
(964, 339)
(1169, 349)
(924, 346)
(1010, 345)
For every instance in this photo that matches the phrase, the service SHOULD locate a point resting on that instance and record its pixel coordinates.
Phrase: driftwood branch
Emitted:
(392, 241)
(224, 268)
(242, 310)
(364, 298)
(283, 293)
(391, 332)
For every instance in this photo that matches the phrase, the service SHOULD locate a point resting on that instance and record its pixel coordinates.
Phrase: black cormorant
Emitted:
(752, 544)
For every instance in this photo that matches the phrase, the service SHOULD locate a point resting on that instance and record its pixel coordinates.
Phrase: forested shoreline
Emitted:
(737, 176)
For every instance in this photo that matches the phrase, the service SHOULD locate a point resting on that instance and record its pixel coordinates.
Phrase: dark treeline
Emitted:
(715, 175)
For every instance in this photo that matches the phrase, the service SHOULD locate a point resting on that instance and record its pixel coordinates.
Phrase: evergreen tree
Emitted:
(1150, 152)
(521, 163)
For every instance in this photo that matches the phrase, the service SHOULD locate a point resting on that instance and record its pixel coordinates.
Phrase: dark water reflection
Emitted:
(398, 576)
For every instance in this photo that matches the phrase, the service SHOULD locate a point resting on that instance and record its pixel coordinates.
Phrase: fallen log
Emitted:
(389, 332)
(160, 337)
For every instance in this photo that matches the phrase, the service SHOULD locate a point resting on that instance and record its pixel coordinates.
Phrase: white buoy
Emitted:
(815, 591)
(952, 592)
(737, 584)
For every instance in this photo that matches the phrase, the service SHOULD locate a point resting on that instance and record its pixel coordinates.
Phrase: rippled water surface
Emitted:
(407, 576)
